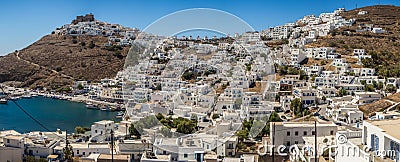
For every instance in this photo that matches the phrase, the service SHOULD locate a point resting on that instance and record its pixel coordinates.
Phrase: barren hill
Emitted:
(58, 60)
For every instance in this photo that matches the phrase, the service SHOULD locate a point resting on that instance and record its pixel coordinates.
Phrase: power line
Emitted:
(26, 113)
(30, 116)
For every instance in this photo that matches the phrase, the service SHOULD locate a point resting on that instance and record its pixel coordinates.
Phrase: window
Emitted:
(77, 151)
(83, 153)
(331, 132)
(313, 133)
(305, 133)
(288, 143)
(230, 153)
(288, 133)
(185, 155)
(296, 142)
(8, 140)
(296, 133)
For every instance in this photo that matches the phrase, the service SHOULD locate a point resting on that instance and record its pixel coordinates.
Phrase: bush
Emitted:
(91, 45)
(58, 69)
(215, 116)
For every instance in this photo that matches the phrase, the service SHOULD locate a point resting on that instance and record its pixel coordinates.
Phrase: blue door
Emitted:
(376, 143)
(372, 142)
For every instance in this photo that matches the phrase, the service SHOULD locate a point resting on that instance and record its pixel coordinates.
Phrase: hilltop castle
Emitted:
(86, 18)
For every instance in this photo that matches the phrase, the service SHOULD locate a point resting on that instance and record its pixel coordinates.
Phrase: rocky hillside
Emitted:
(58, 60)
(384, 48)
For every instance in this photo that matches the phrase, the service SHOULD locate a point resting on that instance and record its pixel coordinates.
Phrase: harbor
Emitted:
(53, 113)
(13, 94)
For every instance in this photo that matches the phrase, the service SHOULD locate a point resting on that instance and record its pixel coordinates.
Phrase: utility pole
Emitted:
(126, 130)
(112, 145)
(273, 141)
(315, 141)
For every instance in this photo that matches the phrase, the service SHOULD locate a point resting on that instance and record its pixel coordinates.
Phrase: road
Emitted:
(42, 67)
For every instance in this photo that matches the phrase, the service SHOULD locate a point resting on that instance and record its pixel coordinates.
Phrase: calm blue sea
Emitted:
(52, 113)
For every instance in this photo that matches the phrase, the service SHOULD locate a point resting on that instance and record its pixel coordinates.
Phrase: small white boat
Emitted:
(120, 113)
(3, 101)
(90, 105)
(14, 98)
(27, 96)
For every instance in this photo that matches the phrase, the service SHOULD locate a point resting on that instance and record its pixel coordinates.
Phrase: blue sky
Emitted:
(23, 22)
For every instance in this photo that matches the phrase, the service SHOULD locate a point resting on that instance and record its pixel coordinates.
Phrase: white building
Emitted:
(102, 129)
(85, 149)
(383, 137)
(291, 133)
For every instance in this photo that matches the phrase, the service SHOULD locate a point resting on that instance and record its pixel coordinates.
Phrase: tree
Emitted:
(80, 86)
(134, 131)
(342, 92)
(242, 134)
(79, 130)
(166, 132)
(248, 67)
(159, 116)
(323, 98)
(369, 88)
(186, 127)
(296, 106)
(390, 88)
(274, 117)
(68, 152)
(215, 116)
(380, 86)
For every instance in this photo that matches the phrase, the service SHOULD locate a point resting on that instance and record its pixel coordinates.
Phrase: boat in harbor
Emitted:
(55, 97)
(104, 108)
(3, 101)
(27, 96)
(120, 114)
(14, 98)
(90, 105)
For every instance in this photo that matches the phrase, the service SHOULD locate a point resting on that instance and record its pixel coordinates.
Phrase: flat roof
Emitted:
(388, 126)
(304, 124)
(9, 132)
(14, 137)
(116, 157)
(86, 145)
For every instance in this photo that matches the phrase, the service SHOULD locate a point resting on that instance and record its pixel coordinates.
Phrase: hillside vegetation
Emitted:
(56, 60)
